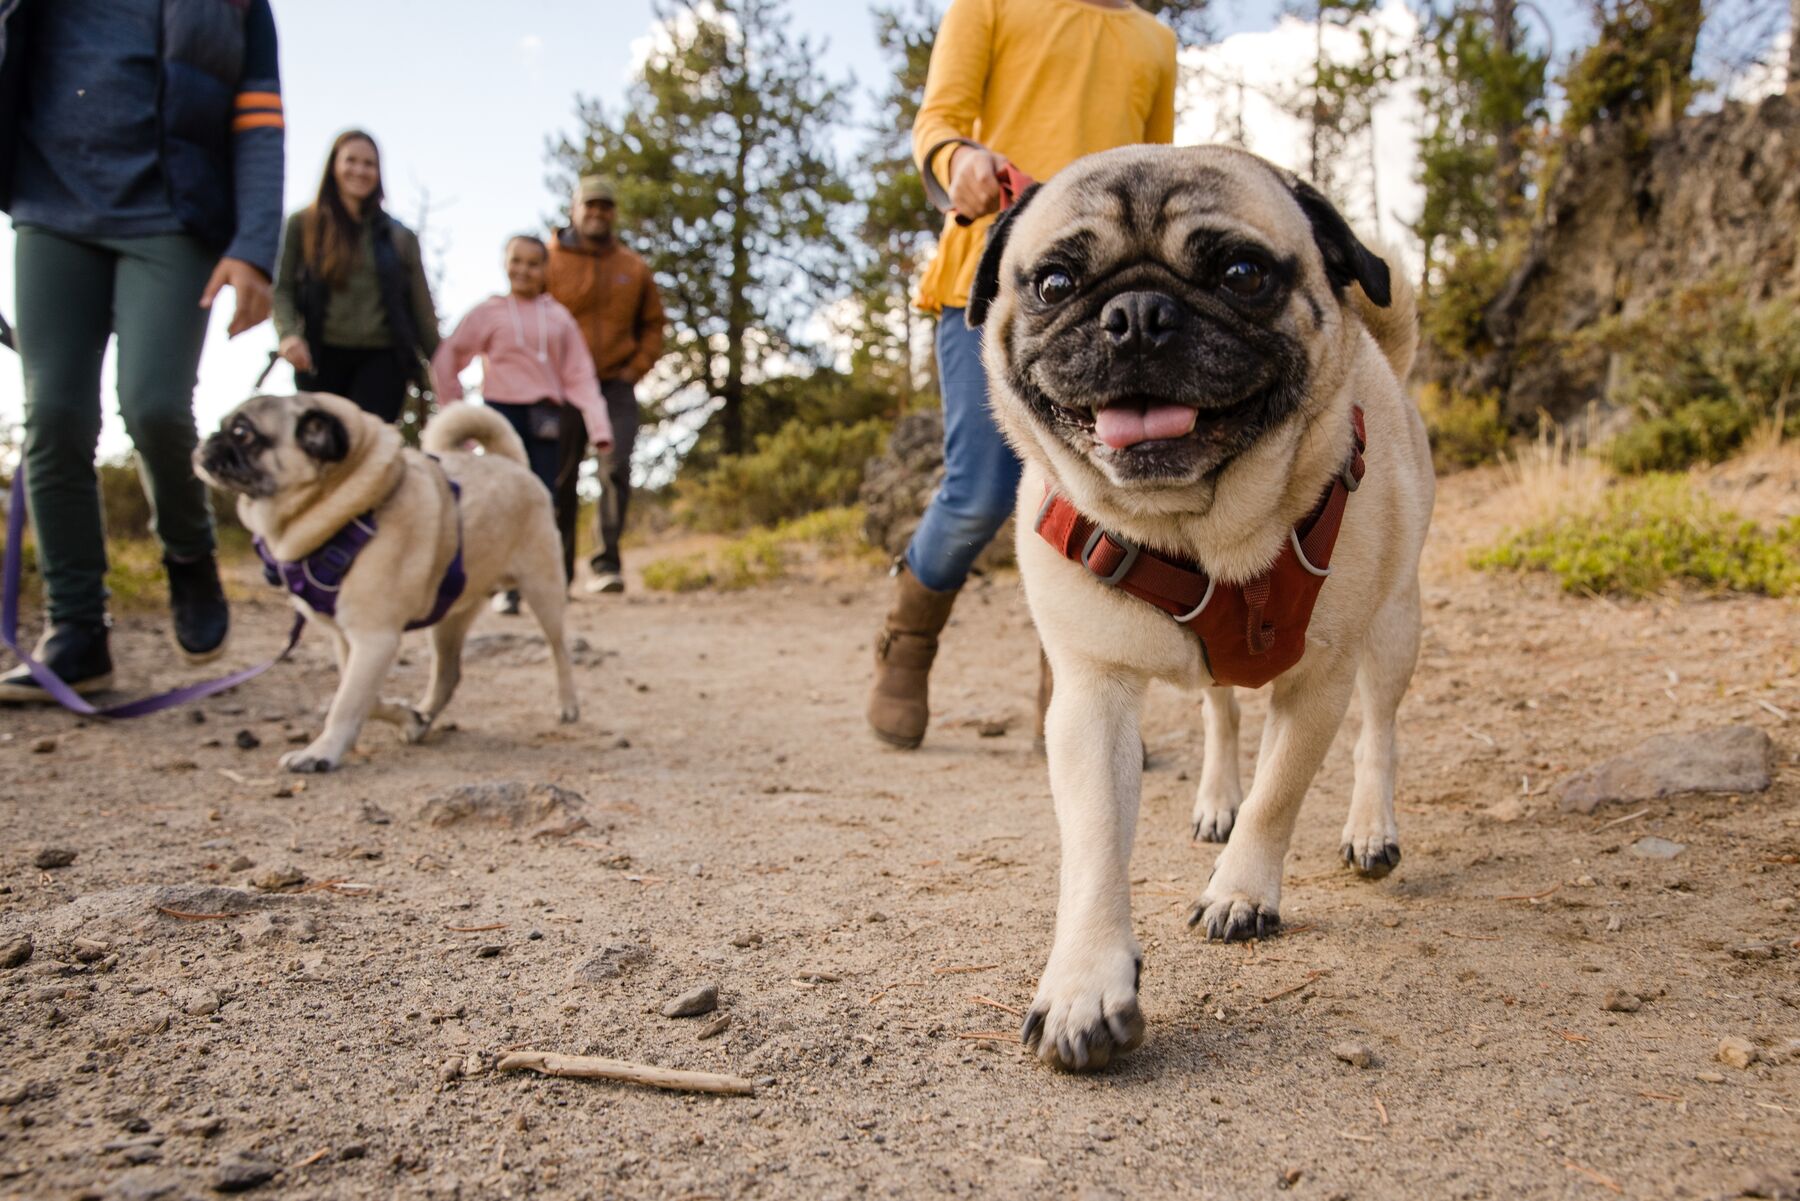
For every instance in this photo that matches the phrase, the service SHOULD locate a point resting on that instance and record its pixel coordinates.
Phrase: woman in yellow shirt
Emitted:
(1037, 83)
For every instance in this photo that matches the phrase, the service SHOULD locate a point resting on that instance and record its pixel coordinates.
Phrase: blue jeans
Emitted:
(981, 473)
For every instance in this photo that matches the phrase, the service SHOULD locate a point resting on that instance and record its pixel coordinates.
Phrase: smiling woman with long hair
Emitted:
(352, 306)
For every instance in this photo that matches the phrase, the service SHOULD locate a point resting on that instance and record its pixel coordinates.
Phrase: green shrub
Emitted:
(1703, 368)
(1453, 313)
(1647, 532)
(794, 471)
(761, 555)
(1465, 430)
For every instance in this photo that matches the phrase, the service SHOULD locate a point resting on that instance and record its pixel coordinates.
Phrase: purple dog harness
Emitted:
(317, 578)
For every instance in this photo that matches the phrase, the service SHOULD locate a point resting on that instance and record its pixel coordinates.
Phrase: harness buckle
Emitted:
(1348, 474)
(1125, 565)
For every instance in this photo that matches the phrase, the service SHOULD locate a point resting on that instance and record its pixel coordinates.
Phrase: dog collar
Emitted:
(317, 578)
(1249, 633)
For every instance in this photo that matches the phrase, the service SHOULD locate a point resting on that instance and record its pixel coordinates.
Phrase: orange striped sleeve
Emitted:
(257, 121)
(259, 100)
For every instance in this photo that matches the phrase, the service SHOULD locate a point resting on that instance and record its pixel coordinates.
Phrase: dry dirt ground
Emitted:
(870, 916)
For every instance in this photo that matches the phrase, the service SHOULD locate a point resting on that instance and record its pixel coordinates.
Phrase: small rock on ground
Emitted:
(694, 1002)
(1355, 1054)
(502, 803)
(243, 1172)
(1736, 1052)
(1652, 847)
(53, 857)
(277, 879)
(16, 951)
(1620, 1001)
(1732, 759)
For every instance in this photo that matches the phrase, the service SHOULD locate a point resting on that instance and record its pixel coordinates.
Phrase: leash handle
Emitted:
(53, 685)
(1013, 184)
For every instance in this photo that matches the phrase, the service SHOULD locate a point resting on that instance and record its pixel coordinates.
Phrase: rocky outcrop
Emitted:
(1717, 194)
(898, 485)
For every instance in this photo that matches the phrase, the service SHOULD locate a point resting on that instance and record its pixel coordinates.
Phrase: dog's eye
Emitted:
(1055, 286)
(1244, 277)
(243, 432)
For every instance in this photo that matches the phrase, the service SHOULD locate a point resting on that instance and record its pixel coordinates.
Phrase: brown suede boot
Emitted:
(899, 704)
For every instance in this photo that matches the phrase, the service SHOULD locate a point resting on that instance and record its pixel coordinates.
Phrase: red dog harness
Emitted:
(1249, 633)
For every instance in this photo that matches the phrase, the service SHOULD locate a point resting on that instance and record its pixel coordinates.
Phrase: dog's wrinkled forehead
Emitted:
(1139, 200)
(270, 416)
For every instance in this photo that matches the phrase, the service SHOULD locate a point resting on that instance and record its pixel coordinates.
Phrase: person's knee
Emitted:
(162, 430)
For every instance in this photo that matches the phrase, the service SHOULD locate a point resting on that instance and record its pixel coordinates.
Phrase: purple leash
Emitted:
(60, 692)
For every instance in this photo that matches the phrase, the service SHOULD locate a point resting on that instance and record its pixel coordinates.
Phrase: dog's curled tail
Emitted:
(456, 424)
(1396, 327)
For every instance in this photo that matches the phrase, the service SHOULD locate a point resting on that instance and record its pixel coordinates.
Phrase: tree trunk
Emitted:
(737, 313)
(1793, 76)
(1508, 171)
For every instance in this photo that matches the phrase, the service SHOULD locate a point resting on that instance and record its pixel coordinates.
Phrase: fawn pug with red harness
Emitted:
(1225, 485)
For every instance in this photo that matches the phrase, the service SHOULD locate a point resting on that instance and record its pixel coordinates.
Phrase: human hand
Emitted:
(975, 181)
(251, 288)
(294, 349)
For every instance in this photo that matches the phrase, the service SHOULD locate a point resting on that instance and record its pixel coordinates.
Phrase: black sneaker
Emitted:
(197, 603)
(76, 651)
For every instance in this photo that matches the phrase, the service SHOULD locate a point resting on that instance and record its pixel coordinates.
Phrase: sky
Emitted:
(465, 99)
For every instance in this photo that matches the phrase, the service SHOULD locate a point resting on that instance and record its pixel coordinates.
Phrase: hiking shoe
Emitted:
(76, 651)
(605, 581)
(506, 603)
(899, 700)
(197, 603)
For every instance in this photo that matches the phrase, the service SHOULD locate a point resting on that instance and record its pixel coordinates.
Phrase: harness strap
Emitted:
(1184, 590)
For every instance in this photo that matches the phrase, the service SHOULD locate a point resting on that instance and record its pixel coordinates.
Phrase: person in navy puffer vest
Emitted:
(141, 148)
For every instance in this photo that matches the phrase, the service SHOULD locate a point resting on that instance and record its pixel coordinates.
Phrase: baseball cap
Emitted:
(594, 187)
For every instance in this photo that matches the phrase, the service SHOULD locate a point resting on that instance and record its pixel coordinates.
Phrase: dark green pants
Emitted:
(73, 296)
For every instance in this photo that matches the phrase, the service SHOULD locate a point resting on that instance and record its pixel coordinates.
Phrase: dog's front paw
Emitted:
(1235, 917)
(1086, 1013)
(1373, 856)
(309, 760)
(570, 715)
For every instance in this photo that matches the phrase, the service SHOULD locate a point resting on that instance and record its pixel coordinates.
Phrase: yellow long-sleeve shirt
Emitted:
(1040, 82)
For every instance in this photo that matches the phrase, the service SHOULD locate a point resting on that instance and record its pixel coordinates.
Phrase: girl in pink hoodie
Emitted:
(537, 373)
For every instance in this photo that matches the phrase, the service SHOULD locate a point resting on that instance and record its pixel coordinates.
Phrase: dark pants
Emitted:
(615, 473)
(374, 379)
(73, 296)
(556, 462)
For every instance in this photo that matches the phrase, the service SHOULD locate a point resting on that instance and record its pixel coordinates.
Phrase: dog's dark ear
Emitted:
(987, 273)
(1347, 260)
(323, 436)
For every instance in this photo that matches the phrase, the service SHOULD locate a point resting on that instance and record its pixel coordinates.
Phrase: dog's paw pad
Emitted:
(1371, 859)
(1235, 919)
(1080, 1024)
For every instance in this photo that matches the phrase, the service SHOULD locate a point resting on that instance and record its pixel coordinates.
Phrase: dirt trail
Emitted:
(852, 903)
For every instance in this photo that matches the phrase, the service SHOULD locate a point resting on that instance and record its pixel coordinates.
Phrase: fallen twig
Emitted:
(322, 885)
(990, 1036)
(1659, 1096)
(1360, 1138)
(1529, 896)
(978, 999)
(1780, 713)
(193, 917)
(476, 929)
(1569, 1035)
(1294, 988)
(1472, 732)
(958, 971)
(589, 1067)
(314, 1158)
(1619, 821)
(1382, 1110)
(1474, 937)
(1606, 1182)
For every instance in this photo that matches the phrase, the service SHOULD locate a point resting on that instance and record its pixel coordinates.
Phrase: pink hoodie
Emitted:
(530, 350)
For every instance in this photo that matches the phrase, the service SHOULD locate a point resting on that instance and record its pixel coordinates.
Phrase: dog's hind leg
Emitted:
(1243, 899)
(1086, 1009)
(1221, 790)
(544, 593)
(446, 666)
(1371, 839)
(366, 665)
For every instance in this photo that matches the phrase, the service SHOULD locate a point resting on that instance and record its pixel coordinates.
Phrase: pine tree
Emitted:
(728, 186)
(1337, 101)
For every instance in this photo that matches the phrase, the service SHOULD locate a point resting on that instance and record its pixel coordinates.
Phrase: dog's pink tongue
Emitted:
(1120, 426)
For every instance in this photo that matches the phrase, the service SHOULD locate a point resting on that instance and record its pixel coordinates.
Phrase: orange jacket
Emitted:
(614, 301)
